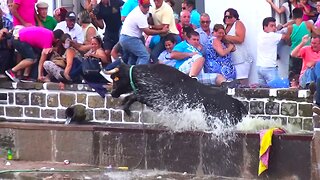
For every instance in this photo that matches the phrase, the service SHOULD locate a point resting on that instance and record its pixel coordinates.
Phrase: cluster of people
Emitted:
(35, 46)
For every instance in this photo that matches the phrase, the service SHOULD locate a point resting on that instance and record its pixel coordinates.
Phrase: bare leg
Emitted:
(220, 79)
(196, 67)
(23, 64)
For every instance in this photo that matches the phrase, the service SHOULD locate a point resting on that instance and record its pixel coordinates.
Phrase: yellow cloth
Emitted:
(265, 143)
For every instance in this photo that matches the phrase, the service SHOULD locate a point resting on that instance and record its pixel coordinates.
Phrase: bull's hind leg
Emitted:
(127, 102)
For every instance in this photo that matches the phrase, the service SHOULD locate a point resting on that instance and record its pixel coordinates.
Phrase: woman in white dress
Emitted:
(236, 34)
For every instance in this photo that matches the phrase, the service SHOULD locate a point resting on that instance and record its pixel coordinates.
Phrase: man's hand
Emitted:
(165, 29)
(305, 39)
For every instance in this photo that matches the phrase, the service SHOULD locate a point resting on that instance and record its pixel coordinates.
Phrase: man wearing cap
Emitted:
(162, 15)
(30, 39)
(131, 33)
(23, 12)
(108, 11)
(71, 27)
(47, 21)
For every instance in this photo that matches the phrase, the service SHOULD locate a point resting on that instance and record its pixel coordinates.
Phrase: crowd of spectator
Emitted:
(37, 47)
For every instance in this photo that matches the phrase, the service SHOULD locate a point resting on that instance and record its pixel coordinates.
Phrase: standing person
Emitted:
(317, 23)
(47, 21)
(108, 11)
(190, 5)
(131, 33)
(25, 44)
(162, 15)
(127, 7)
(23, 12)
(204, 30)
(236, 34)
(267, 51)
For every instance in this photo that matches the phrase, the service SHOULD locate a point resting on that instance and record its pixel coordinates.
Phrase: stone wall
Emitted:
(47, 102)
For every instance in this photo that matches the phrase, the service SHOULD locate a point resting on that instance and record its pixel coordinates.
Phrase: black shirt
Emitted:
(110, 15)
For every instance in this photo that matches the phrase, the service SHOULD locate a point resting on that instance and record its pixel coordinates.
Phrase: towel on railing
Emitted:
(265, 144)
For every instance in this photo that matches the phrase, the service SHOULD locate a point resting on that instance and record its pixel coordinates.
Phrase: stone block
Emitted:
(34, 145)
(116, 116)
(54, 86)
(1, 110)
(76, 146)
(316, 121)
(11, 98)
(288, 94)
(61, 113)
(89, 114)
(257, 107)
(101, 114)
(22, 98)
(96, 102)
(148, 116)
(296, 122)
(123, 149)
(272, 108)
(82, 98)
(114, 102)
(30, 86)
(252, 93)
(14, 111)
(38, 99)
(280, 119)
(289, 109)
(32, 112)
(48, 113)
(7, 85)
(3, 96)
(305, 110)
(246, 105)
(52, 100)
(135, 117)
(307, 124)
(67, 99)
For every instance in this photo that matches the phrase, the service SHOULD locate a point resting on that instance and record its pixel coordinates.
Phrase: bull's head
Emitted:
(121, 80)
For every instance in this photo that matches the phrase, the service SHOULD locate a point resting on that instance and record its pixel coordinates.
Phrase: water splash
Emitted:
(256, 124)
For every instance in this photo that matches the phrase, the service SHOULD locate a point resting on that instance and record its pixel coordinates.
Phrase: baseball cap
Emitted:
(71, 15)
(42, 5)
(145, 2)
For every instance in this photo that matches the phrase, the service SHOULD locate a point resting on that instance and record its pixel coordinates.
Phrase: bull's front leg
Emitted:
(127, 102)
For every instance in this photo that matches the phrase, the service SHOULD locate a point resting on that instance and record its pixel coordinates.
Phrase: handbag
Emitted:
(91, 65)
(58, 60)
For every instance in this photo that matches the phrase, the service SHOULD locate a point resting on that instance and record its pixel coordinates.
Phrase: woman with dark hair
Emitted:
(218, 55)
(236, 34)
(97, 51)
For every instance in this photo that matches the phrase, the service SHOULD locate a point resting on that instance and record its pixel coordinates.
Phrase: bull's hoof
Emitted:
(127, 111)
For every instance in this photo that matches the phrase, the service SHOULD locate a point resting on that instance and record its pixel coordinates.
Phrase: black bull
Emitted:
(160, 86)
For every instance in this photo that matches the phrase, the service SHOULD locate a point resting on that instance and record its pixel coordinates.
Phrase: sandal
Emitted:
(64, 79)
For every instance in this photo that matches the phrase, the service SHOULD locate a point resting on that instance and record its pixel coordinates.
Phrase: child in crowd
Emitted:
(165, 56)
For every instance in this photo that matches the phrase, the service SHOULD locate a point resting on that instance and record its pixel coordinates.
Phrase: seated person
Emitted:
(218, 54)
(190, 61)
(71, 58)
(310, 56)
(165, 57)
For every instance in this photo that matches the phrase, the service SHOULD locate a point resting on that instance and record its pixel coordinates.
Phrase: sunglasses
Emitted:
(205, 22)
(229, 17)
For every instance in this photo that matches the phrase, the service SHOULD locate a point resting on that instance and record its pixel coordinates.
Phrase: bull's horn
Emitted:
(112, 71)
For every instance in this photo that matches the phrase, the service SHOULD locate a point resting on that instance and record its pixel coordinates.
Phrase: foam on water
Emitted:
(257, 124)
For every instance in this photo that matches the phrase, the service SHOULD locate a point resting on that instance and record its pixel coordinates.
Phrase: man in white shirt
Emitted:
(133, 26)
(267, 51)
(71, 27)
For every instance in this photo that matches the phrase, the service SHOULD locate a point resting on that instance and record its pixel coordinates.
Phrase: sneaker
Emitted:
(316, 109)
(11, 75)
(26, 79)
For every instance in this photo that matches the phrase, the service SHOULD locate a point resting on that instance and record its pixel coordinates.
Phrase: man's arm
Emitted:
(43, 58)
(182, 55)
(296, 51)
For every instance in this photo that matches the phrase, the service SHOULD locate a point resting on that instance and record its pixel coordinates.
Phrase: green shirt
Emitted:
(49, 23)
(297, 33)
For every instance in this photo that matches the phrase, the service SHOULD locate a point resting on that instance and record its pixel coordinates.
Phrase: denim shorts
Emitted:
(25, 50)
